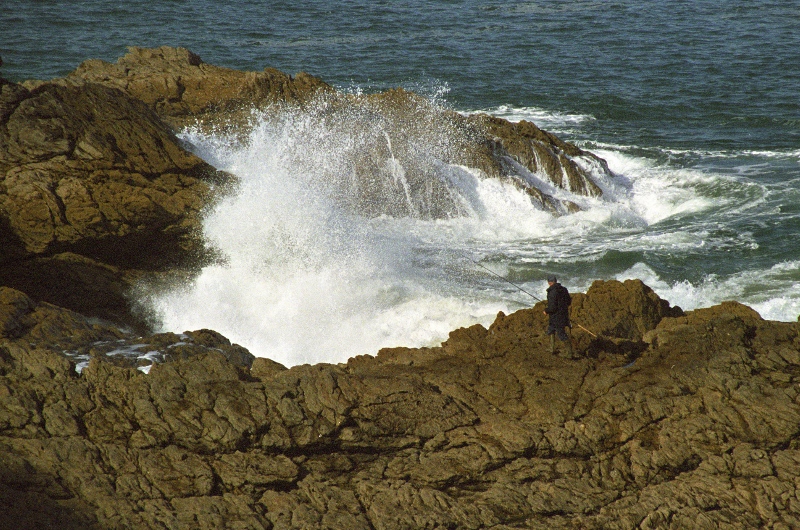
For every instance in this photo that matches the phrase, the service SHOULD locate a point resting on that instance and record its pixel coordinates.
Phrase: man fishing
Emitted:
(558, 302)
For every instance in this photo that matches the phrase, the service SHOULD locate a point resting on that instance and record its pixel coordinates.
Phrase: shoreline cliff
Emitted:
(669, 419)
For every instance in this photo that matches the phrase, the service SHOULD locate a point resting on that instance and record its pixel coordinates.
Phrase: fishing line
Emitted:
(504, 279)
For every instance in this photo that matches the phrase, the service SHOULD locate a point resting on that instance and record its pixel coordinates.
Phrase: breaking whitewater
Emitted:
(304, 276)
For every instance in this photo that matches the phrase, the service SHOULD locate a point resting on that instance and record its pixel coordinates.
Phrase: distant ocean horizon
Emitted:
(695, 106)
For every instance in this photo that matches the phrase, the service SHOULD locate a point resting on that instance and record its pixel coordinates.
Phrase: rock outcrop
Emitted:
(693, 424)
(87, 167)
(669, 419)
(97, 193)
(184, 90)
(94, 189)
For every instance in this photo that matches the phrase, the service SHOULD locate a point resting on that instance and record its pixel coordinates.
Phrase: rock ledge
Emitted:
(670, 420)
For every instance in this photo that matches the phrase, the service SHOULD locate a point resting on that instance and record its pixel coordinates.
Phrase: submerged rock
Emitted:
(696, 428)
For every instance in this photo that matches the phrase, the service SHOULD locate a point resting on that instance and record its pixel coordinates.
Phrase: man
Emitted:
(558, 302)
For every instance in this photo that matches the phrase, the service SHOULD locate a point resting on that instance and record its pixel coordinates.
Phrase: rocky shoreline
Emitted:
(670, 419)
(98, 190)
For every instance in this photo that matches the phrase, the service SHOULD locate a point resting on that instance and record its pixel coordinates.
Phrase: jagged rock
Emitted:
(543, 153)
(92, 186)
(14, 305)
(265, 369)
(96, 190)
(518, 153)
(89, 167)
(488, 430)
(184, 90)
(626, 309)
(85, 285)
(44, 325)
(48, 326)
(669, 419)
(196, 342)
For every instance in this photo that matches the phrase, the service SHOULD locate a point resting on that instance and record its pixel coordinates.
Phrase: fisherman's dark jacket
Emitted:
(558, 302)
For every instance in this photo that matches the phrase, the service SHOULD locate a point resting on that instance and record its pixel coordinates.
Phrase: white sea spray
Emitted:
(305, 278)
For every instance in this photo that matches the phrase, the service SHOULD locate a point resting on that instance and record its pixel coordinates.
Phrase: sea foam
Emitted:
(304, 278)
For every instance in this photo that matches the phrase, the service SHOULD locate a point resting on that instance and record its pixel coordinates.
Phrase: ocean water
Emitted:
(695, 105)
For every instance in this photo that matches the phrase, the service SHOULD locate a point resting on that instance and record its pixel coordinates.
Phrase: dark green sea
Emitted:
(695, 105)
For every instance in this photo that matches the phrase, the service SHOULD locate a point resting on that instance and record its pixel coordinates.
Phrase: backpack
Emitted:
(565, 296)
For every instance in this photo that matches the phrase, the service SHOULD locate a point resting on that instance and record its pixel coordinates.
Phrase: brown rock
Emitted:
(395, 126)
(47, 325)
(183, 89)
(14, 305)
(85, 165)
(669, 419)
(624, 310)
(541, 152)
(265, 369)
(247, 472)
(410, 125)
(201, 341)
(97, 194)
(489, 430)
(71, 280)
(93, 187)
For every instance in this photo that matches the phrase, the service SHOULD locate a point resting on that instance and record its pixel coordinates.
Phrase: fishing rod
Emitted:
(521, 289)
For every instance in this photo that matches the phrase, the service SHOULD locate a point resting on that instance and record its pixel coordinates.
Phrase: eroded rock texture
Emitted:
(670, 420)
(94, 189)
(97, 193)
(400, 127)
(181, 88)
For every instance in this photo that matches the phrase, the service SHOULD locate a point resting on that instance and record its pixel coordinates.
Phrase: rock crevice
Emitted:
(669, 418)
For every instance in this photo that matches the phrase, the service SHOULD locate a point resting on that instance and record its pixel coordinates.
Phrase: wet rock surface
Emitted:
(696, 427)
(668, 419)
(97, 195)
(183, 90)
(95, 191)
